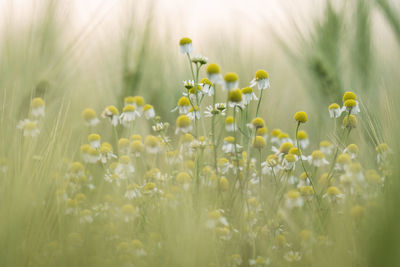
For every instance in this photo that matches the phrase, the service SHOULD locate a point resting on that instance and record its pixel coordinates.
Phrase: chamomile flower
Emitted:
(29, 127)
(230, 124)
(283, 138)
(318, 159)
(183, 105)
(263, 132)
(94, 140)
(231, 81)
(256, 123)
(218, 109)
(228, 145)
(258, 142)
(383, 151)
(136, 148)
(373, 178)
(351, 106)
(235, 98)
(214, 73)
(113, 178)
(306, 191)
(275, 136)
(128, 115)
(106, 152)
(224, 165)
(188, 84)
(123, 146)
(350, 103)
(333, 194)
(84, 150)
(183, 124)
(149, 112)
(216, 218)
(343, 161)
(334, 110)
(207, 87)
(152, 144)
(303, 139)
(284, 148)
(185, 45)
(269, 164)
(323, 180)
(300, 117)
(352, 150)
(293, 199)
(38, 107)
(248, 95)
(326, 147)
(160, 126)
(129, 100)
(261, 80)
(112, 113)
(90, 117)
(76, 169)
(289, 162)
(194, 113)
(202, 60)
(292, 256)
(350, 121)
(124, 168)
(184, 179)
(132, 192)
(355, 171)
(138, 103)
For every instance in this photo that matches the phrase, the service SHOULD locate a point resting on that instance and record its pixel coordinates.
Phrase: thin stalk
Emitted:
(259, 102)
(302, 163)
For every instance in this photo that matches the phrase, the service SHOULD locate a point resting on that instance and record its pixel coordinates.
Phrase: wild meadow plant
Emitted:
(218, 189)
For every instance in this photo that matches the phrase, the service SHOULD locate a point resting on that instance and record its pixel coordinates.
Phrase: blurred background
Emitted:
(100, 51)
(92, 53)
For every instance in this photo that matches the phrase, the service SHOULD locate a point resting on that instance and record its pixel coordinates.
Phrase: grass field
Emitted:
(128, 139)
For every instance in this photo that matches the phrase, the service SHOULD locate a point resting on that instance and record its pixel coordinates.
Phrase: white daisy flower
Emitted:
(318, 159)
(38, 107)
(128, 115)
(248, 95)
(261, 80)
(30, 128)
(228, 145)
(183, 105)
(112, 113)
(185, 45)
(149, 112)
(334, 110)
(90, 117)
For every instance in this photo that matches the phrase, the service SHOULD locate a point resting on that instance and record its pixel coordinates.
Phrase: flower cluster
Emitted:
(256, 197)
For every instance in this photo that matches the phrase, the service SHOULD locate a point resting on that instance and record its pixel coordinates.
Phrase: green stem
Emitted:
(213, 131)
(302, 163)
(259, 102)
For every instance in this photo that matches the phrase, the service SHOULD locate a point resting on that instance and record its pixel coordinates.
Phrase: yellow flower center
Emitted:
(213, 69)
(185, 40)
(231, 77)
(300, 116)
(261, 74)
